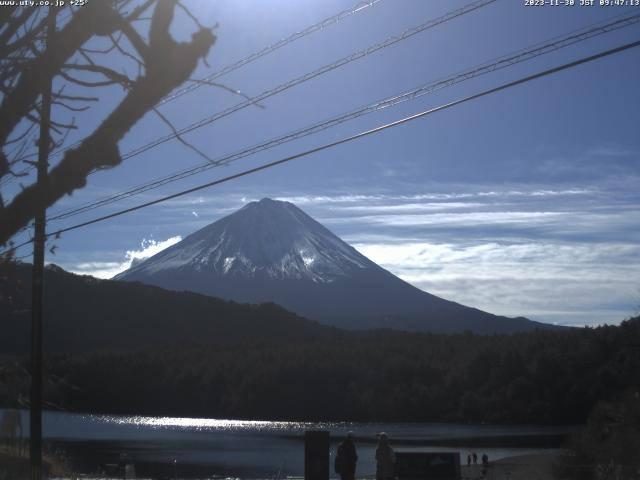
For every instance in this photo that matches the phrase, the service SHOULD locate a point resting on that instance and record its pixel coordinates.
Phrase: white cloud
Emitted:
(611, 151)
(452, 219)
(148, 248)
(567, 283)
(412, 207)
(385, 199)
(554, 253)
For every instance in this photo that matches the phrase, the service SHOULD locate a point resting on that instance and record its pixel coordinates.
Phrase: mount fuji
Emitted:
(271, 251)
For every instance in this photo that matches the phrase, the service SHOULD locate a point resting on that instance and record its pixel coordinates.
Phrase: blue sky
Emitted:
(521, 203)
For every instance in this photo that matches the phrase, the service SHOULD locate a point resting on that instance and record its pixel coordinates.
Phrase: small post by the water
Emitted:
(316, 455)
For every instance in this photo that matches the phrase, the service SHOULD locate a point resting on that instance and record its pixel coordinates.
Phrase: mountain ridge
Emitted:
(271, 251)
(306, 249)
(83, 313)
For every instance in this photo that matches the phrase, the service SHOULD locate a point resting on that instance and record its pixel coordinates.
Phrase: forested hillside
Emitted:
(83, 314)
(538, 377)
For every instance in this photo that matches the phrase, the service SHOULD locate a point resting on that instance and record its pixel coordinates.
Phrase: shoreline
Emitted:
(550, 440)
(522, 467)
(16, 465)
(91, 455)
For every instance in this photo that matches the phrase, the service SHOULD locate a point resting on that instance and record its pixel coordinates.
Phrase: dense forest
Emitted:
(608, 446)
(129, 348)
(537, 377)
(84, 314)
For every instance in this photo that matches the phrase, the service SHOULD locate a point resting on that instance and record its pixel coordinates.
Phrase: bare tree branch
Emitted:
(91, 20)
(75, 98)
(12, 27)
(180, 138)
(86, 83)
(228, 89)
(168, 65)
(109, 73)
(137, 42)
(30, 35)
(69, 107)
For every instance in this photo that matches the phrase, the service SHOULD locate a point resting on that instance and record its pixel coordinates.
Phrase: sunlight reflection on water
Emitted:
(227, 449)
(212, 424)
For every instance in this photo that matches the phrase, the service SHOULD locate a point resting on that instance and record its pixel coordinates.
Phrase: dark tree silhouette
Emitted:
(207, 357)
(26, 62)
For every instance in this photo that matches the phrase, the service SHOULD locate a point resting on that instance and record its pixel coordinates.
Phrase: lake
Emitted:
(188, 447)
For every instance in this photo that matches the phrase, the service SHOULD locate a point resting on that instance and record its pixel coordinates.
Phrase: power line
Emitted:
(272, 48)
(311, 75)
(308, 76)
(538, 49)
(304, 78)
(327, 22)
(351, 138)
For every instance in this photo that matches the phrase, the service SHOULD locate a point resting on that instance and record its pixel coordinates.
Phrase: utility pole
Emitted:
(35, 424)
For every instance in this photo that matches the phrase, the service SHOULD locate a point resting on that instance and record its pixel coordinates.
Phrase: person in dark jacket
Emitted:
(385, 459)
(346, 458)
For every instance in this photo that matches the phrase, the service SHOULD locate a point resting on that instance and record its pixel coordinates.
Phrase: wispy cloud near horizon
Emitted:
(105, 270)
(554, 282)
(565, 255)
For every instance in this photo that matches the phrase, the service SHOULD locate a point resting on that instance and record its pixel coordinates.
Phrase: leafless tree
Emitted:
(136, 32)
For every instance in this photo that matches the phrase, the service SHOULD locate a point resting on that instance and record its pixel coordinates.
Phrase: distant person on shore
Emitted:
(469, 460)
(475, 458)
(346, 458)
(385, 459)
(485, 464)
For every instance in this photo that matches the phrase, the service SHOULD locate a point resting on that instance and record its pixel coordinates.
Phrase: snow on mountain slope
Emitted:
(271, 251)
(263, 239)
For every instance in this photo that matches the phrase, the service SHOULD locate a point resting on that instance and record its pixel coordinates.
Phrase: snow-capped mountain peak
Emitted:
(269, 238)
(271, 251)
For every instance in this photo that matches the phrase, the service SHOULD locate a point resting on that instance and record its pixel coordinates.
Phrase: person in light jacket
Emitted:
(385, 459)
